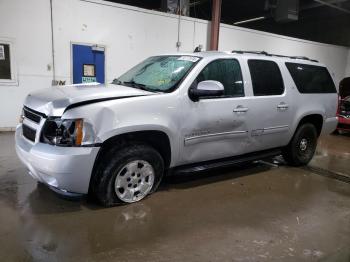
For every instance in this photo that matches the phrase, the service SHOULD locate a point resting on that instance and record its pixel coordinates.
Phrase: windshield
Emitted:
(158, 73)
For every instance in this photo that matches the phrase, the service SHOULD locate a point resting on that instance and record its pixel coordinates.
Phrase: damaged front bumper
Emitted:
(67, 170)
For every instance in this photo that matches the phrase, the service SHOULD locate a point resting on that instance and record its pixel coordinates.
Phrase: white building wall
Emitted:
(26, 24)
(129, 34)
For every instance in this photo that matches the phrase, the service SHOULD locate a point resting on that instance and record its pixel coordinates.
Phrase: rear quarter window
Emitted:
(311, 79)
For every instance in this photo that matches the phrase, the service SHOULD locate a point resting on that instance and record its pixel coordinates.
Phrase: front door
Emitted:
(88, 64)
(216, 127)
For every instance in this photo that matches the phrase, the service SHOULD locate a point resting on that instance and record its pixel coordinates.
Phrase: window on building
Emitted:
(311, 78)
(266, 78)
(5, 62)
(227, 72)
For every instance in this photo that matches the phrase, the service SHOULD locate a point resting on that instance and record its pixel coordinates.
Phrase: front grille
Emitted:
(31, 115)
(345, 114)
(28, 133)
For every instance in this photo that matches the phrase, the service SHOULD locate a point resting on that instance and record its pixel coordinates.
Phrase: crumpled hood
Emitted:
(53, 101)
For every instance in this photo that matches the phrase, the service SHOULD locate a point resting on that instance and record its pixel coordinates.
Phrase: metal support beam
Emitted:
(215, 24)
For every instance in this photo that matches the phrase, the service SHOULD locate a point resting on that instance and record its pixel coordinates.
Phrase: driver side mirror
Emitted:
(206, 89)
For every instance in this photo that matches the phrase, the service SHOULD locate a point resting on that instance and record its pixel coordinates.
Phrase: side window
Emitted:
(5, 62)
(227, 72)
(266, 78)
(7, 70)
(311, 79)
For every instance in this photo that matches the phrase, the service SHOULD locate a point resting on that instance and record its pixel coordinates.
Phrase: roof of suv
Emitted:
(252, 55)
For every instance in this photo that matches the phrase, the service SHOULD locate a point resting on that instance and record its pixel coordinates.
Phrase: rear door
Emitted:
(270, 107)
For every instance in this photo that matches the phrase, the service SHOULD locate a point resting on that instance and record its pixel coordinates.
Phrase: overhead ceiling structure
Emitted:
(326, 21)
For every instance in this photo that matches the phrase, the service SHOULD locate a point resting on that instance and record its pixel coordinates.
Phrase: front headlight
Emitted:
(21, 117)
(67, 132)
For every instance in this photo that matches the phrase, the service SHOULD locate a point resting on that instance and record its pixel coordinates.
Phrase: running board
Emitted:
(226, 162)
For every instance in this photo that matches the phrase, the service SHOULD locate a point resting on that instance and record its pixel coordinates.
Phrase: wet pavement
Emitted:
(255, 212)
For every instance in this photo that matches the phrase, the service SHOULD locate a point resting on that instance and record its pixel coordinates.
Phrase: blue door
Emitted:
(88, 64)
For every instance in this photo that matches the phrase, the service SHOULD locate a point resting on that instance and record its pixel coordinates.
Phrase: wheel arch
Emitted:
(313, 118)
(158, 139)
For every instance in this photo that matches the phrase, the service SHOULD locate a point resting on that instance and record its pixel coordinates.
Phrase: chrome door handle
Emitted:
(283, 106)
(240, 109)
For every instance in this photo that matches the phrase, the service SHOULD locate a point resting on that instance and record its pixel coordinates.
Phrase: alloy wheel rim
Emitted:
(303, 144)
(134, 181)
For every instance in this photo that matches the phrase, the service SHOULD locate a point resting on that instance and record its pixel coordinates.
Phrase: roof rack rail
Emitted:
(268, 54)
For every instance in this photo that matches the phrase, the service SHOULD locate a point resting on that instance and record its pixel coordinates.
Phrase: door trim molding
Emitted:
(212, 136)
(275, 129)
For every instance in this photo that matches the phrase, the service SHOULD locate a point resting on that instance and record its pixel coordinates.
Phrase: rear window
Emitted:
(311, 79)
(266, 78)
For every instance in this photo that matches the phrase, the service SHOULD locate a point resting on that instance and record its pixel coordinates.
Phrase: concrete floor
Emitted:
(252, 213)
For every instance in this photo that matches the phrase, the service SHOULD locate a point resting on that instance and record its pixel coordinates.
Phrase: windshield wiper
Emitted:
(138, 86)
(116, 81)
(133, 84)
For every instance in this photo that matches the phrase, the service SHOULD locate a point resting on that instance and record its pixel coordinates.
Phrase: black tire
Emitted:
(113, 161)
(297, 155)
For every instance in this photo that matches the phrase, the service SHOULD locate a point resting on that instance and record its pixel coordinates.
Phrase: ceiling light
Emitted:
(250, 20)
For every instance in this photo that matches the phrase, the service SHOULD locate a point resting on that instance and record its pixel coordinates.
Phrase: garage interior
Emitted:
(260, 211)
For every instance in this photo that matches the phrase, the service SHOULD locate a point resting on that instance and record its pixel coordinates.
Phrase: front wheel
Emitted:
(128, 175)
(302, 147)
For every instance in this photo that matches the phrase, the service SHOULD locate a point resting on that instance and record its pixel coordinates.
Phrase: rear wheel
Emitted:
(302, 147)
(127, 175)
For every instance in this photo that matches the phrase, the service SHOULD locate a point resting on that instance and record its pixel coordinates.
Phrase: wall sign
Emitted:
(2, 53)
(86, 79)
(88, 70)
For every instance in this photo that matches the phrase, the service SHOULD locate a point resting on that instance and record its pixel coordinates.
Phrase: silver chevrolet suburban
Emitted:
(175, 113)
